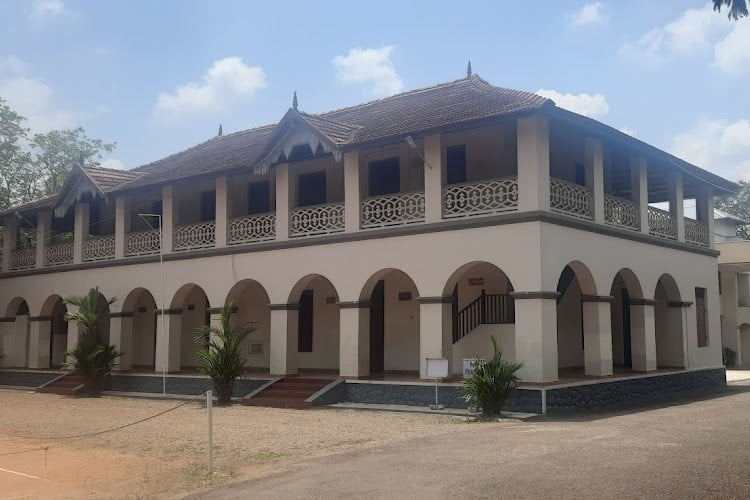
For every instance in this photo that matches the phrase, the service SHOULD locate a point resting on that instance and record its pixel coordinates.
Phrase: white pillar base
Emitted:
(354, 348)
(597, 338)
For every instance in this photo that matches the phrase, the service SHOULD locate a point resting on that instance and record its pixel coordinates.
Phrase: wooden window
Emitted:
(700, 316)
(384, 176)
(305, 322)
(208, 206)
(455, 158)
(311, 189)
(258, 198)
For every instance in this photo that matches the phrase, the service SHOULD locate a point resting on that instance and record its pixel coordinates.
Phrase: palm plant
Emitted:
(221, 355)
(493, 381)
(92, 358)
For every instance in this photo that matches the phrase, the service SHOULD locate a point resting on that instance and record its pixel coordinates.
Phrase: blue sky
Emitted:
(158, 77)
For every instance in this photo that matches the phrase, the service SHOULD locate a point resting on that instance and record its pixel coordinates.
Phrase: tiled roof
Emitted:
(108, 178)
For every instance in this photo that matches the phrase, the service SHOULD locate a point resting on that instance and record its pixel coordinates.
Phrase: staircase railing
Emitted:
(487, 309)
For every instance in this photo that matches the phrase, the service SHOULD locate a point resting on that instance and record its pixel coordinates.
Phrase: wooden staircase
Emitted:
(289, 392)
(65, 386)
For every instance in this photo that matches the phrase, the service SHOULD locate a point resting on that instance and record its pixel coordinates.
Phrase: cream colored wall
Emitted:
(490, 150)
(401, 325)
(478, 343)
(494, 283)
(334, 178)
(411, 166)
(238, 192)
(144, 332)
(191, 319)
(140, 202)
(325, 352)
(15, 342)
(188, 198)
(569, 347)
(669, 340)
(253, 312)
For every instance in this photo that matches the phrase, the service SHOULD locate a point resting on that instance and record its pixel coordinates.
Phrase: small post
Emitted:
(483, 307)
(209, 410)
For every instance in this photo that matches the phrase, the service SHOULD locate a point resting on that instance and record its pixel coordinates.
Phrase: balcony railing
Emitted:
(696, 232)
(393, 209)
(570, 199)
(142, 243)
(58, 254)
(99, 248)
(661, 223)
(252, 228)
(317, 219)
(195, 236)
(480, 198)
(621, 212)
(23, 259)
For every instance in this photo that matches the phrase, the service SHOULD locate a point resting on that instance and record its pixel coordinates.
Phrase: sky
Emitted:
(160, 76)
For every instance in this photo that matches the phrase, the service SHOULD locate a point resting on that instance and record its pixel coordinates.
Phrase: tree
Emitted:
(17, 179)
(221, 354)
(739, 205)
(93, 358)
(57, 151)
(736, 8)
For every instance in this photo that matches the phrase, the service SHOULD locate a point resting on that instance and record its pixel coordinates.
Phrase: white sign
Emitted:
(469, 364)
(437, 367)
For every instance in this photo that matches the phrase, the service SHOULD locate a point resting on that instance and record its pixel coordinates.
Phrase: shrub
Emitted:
(492, 382)
(221, 354)
(730, 356)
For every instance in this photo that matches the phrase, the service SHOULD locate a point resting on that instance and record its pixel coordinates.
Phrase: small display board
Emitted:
(469, 364)
(437, 368)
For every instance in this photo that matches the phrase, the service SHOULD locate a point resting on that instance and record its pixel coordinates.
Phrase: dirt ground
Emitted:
(166, 455)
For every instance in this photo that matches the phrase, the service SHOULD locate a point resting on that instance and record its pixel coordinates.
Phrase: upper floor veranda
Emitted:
(433, 159)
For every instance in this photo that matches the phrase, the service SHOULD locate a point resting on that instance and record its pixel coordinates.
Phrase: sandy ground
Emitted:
(166, 455)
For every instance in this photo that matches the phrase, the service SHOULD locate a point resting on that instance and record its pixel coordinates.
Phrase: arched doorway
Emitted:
(632, 328)
(192, 303)
(394, 323)
(16, 352)
(55, 309)
(252, 310)
(668, 312)
(140, 348)
(482, 308)
(574, 283)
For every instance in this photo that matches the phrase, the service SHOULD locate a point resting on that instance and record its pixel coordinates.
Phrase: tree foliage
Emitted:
(735, 8)
(16, 172)
(493, 381)
(738, 205)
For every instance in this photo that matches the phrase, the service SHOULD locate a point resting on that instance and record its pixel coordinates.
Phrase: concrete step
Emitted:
(65, 386)
(274, 392)
(276, 403)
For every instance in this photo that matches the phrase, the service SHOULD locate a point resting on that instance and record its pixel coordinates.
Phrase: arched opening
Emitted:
(192, 303)
(140, 348)
(315, 346)
(744, 354)
(668, 313)
(627, 321)
(394, 323)
(574, 283)
(103, 306)
(481, 308)
(55, 309)
(15, 338)
(252, 310)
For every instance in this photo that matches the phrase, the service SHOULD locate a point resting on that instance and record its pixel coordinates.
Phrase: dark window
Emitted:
(312, 189)
(455, 157)
(700, 316)
(384, 176)
(305, 322)
(580, 175)
(94, 216)
(156, 207)
(258, 198)
(208, 206)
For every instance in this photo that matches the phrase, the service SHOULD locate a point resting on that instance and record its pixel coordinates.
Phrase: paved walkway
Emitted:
(737, 375)
(691, 450)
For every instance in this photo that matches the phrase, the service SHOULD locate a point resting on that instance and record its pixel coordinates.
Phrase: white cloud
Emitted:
(721, 146)
(590, 13)
(11, 65)
(693, 32)
(593, 106)
(628, 130)
(371, 67)
(732, 53)
(42, 10)
(226, 81)
(112, 163)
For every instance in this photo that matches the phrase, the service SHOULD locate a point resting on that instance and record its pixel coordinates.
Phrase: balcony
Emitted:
(97, 248)
(142, 243)
(661, 223)
(58, 254)
(480, 198)
(393, 210)
(696, 232)
(195, 236)
(252, 229)
(570, 199)
(23, 259)
(621, 213)
(317, 219)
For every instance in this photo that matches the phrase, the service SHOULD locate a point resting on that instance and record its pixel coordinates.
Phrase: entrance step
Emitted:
(289, 392)
(69, 385)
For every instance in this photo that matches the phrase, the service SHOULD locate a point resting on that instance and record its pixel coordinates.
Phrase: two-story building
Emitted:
(362, 241)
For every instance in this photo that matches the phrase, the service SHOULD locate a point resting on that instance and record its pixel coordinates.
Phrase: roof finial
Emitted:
(468, 70)
(294, 101)
(221, 131)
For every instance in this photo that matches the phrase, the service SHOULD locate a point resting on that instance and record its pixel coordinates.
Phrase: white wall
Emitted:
(325, 353)
(401, 325)
(253, 311)
(569, 333)
(478, 343)
(144, 332)
(669, 340)
(190, 319)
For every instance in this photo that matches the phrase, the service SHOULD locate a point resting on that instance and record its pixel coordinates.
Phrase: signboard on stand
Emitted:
(437, 368)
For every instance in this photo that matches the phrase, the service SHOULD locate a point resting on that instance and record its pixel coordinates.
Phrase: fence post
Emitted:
(483, 307)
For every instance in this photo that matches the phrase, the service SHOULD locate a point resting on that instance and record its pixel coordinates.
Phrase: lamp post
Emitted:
(163, 308)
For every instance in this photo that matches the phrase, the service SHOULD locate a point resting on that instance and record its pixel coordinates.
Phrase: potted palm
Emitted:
(492, 382)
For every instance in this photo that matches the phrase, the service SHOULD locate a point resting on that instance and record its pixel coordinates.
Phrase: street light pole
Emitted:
(163, 306)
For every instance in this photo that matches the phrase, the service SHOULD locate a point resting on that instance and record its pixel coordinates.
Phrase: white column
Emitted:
(353, 180)
(434, 178)
(536, 335)
(120, 227)
(283, 340)
(168, 336)
(74, 331)
(80, 230)
(223, 207)
(594, 164)
(597, 338)
(643, 335)
(215, 322)
(121, 337)
(676, 203)
(282, 201)
(354, 340)
(43, 227)
(170, 216)
(434, 328)
(10, 236)
(704, 205)
(533, 163)
(639, 189)
(39, 343)
(20, 341)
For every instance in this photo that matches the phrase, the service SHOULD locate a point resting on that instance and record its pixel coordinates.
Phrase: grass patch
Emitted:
(266, 456)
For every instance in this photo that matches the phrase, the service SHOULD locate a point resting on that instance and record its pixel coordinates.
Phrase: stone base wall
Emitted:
(190, 386)
(26, 379)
